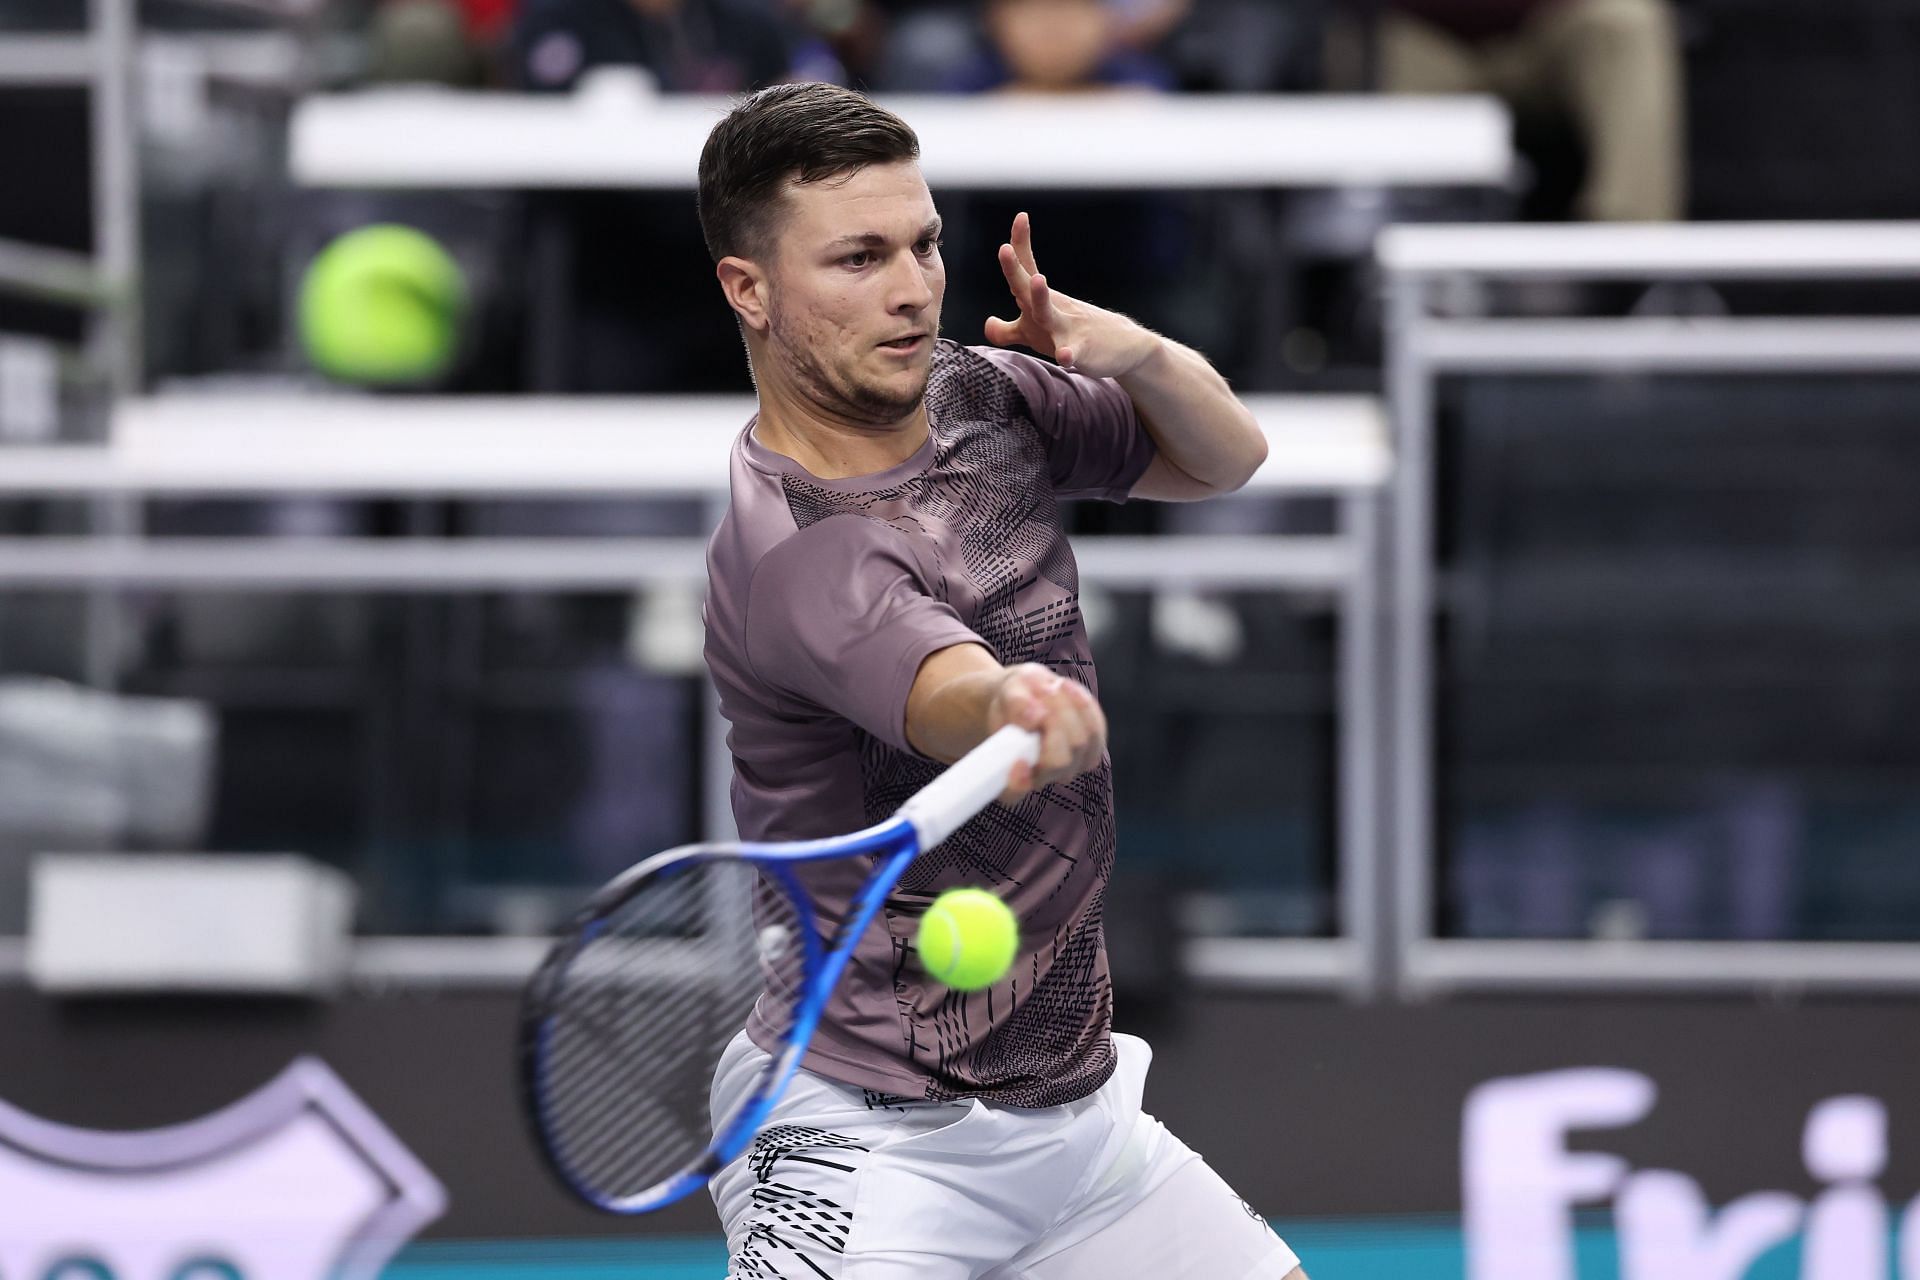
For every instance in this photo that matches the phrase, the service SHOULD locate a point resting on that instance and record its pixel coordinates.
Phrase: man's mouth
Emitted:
(905, 345)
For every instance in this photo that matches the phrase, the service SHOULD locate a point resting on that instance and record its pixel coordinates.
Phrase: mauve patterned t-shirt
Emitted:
(823, 599)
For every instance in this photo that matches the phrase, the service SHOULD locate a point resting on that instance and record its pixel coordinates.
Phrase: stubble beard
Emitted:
(840, 391)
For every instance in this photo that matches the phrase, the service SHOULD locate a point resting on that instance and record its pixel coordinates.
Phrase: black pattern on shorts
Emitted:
(787, 1220)
(795, 1142)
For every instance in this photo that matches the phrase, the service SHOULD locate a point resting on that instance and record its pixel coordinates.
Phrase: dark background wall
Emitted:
(1311, 1108)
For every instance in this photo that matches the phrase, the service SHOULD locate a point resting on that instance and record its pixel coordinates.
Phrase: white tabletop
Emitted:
(536, 446)
(614, 135)
(1736, 250)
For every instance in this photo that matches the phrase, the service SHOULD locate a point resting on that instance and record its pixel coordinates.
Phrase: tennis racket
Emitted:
(625, 1021)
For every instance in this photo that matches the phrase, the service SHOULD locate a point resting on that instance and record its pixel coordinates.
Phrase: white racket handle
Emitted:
(969, 785)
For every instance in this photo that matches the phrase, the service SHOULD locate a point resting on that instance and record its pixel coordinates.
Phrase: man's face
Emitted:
(855, 286)
(1051, 44)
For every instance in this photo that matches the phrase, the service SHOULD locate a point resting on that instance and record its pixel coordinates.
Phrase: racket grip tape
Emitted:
(969, 785)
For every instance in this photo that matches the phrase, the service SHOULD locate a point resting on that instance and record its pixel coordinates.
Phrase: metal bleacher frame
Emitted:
(99, 59)
(106, 282)
(1423, 262)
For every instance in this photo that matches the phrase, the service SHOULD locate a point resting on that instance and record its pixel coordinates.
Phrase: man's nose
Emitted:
(910, 289)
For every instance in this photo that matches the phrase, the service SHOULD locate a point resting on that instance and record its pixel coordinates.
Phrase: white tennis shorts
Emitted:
(841, 1186)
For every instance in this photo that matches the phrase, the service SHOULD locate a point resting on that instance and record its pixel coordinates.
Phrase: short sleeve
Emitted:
(1096, 445)
(841, 615)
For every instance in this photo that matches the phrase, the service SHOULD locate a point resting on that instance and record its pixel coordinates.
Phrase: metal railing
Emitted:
(1423, 348)
(678, 447)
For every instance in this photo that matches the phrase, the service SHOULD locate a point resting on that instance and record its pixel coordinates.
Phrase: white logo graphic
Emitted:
(1522, 1182)
(297, 1181)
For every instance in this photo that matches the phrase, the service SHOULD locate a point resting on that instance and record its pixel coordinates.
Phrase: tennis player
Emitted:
(891, 584)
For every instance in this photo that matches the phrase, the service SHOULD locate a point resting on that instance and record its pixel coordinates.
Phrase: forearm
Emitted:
(950, 709)
(1197, 422)
(962, 694)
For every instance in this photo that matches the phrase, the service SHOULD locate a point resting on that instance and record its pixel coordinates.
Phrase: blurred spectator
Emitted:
(1238, 46)
(855, 32)
(1058, 46)
(488, 20)
(1613, 66)
(925, 45)
(688, 46)
(422, 41)
(455, 42)
(1028, 45)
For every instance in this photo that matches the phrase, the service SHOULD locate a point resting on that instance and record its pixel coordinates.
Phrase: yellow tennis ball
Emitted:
(382, 305)
(967, 939)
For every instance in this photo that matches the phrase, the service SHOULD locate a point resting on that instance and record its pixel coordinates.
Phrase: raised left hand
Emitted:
(1078, 335)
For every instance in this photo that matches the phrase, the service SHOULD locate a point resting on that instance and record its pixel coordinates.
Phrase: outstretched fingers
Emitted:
(1037, 325)
(1006, 333)
(1019, 279)
(1022, 239)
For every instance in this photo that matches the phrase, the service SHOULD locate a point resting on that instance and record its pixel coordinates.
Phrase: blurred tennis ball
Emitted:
(967, 939)
(382, 305)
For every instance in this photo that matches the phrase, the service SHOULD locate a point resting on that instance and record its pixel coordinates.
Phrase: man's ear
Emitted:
(744, 284)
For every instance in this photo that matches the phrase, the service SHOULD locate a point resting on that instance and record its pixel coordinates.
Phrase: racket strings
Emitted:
(635, 1023)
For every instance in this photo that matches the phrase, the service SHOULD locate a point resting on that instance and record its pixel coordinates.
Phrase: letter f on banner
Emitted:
(1519, 1180)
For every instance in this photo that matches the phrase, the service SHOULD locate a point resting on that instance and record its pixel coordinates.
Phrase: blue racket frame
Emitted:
(935, 812)
(896, 840)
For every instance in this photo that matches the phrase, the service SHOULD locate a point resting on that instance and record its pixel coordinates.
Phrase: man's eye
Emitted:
(928, 247)
(859, 259)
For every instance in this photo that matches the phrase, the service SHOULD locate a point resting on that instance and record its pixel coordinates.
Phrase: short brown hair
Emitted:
(798, 132)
